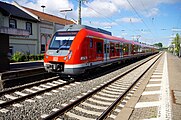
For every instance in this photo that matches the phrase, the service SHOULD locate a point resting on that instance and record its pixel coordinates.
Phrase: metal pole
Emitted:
(66, 10)
(79, 19)
(43, 6)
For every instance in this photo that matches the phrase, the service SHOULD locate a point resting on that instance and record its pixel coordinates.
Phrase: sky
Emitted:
(148, 21)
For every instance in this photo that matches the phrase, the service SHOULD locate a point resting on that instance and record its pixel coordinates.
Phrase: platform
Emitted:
(20, 71)
(174, 68)
(159, 96)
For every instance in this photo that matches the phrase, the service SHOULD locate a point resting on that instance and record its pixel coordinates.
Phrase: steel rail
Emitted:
(89, 94)
(32, 94)
(111, 107)
(27, 86)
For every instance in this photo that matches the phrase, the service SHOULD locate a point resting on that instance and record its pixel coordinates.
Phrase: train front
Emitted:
(58, 52)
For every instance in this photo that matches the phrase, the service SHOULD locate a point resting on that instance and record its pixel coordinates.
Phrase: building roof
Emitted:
(10, 10)
(48, 17)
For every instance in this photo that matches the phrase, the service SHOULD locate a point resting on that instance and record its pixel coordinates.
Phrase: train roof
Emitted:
(74, 27)
(101, 33)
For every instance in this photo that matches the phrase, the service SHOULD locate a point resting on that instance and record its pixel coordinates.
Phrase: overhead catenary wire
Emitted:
(111, 20)
(152, 19)
(107, 18)
(140, 18)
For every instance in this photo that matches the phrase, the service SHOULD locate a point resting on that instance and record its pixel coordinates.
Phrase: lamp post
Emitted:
(66, 10)
(43, 6)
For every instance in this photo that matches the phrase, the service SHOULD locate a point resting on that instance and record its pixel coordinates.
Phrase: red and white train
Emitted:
(77, 48)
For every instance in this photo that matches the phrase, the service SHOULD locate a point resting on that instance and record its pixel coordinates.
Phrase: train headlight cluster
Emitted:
(83, 58)
(46, 56)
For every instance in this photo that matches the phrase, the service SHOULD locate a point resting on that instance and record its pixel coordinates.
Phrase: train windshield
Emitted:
(62, 40)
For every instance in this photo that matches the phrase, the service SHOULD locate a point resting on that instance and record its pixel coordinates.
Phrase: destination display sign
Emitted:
(67, 33)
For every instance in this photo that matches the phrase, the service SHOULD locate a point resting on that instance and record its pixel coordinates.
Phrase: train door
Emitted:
(117, 47)
(121, 49)
(91, 51)
(106, 50)
(130, 49)
(112, 50)
(99, 50)
(125, 49)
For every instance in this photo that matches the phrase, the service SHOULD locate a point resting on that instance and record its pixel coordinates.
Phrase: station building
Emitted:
(25, 30)
(47, 26)
(28, 29)
(15, 33)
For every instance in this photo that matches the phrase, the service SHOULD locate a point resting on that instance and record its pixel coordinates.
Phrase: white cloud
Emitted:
(102, 8)
(51, 7)
(100, 24)
(152, 12)
(98, 7)
(111, 7)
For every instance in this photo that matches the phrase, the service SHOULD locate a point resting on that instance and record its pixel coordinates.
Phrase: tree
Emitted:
(160, 45)
(176, 41)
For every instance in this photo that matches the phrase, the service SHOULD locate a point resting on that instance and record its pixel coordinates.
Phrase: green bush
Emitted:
(18, 57)
(40, 56)
(21, 57)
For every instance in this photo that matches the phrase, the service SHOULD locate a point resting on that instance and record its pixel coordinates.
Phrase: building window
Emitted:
(29, 27)
(43, 43)
(10, 50)
(12, 23)
(42, 48)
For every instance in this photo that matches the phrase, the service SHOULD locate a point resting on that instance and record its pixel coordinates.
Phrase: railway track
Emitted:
(14, 95)
(46, 99)
(36, 88)
(99, 102)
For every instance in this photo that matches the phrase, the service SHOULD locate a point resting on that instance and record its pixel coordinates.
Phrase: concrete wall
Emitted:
(46, 30)
(21, 43)
(41, 33)
(25, 44)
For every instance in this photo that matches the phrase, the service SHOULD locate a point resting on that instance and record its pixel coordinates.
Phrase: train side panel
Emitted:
(89, 49)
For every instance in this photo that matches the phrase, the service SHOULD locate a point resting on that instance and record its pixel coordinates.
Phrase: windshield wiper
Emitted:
(65, 44)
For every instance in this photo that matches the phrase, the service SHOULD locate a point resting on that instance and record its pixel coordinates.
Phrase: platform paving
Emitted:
(159, 96)
(174, 68)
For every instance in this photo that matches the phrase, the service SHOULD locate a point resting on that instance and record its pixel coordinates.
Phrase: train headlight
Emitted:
(46, 56)
(83, 58)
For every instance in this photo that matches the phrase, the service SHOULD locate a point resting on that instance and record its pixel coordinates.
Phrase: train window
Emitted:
(105, 48)
(130, 48)
(126, 48)
(99, 47)
(91, 43)
(112, 48)
(62, 40)
(117, 47)
(63, 43)
(121, 46)
(136, 48)
(139, 49)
